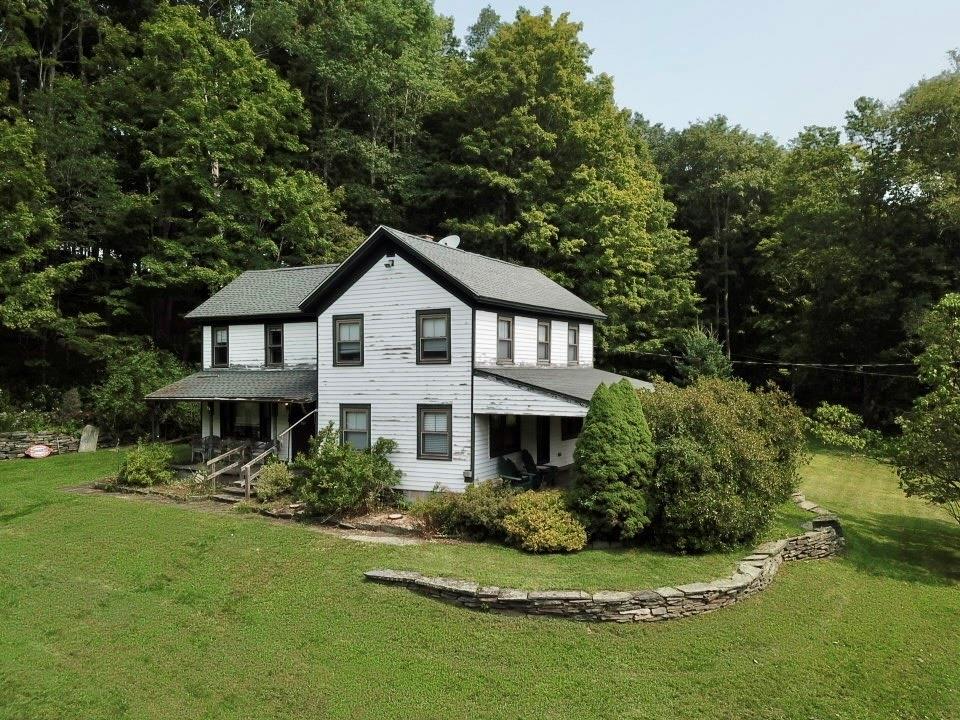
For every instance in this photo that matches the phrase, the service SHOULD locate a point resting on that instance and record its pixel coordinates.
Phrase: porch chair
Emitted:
(509, 471)
(196, 448)
(531, 468)
(212, 446)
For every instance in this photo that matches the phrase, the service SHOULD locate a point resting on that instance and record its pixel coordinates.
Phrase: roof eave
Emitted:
(531, 386)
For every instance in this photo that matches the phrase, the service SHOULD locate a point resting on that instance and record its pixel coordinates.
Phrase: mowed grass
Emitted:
(123, 608)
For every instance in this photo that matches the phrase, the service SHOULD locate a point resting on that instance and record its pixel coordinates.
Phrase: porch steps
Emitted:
(233, 492)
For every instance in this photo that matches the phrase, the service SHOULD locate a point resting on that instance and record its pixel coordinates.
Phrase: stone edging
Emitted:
(824, 538)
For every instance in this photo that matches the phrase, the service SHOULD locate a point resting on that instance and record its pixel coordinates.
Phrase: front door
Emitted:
(543, 440)
(301, 434)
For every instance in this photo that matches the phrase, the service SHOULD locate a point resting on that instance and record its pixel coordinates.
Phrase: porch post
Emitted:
(154, 424)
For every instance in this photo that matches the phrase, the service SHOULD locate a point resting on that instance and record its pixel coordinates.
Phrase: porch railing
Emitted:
(215, 472)
(251, 471)
(282, 436)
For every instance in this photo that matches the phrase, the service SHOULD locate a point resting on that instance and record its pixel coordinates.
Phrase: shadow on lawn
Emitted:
(905, 548)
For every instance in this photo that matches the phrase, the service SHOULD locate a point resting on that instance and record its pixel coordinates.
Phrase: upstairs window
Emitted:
(433, 336)
(355, 426)
(348, 340)
(274, 344)
(573, 344)
(504, 339)
(434, 424)
(543, 342)
(220, 355)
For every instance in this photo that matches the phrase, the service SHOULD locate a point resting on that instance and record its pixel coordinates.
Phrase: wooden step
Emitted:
(233, 490)
(224, 498)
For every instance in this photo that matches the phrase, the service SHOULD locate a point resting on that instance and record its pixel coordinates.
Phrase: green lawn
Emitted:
(113, 607)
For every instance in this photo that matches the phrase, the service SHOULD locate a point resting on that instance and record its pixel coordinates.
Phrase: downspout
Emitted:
(473, 419)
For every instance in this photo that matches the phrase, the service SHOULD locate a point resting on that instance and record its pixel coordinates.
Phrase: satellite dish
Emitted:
(450, 241)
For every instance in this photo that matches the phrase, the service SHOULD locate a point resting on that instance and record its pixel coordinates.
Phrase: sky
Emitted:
(772, 66)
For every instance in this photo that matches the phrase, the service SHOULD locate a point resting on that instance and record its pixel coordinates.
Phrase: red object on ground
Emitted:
(38, 451)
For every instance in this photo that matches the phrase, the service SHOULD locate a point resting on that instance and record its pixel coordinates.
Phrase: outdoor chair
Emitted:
(509, 471)
(196, 449)
(212, 446)
(530, 467)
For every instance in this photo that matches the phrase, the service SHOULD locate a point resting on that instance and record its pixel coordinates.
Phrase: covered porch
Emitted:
(257, 410)
(527, 419)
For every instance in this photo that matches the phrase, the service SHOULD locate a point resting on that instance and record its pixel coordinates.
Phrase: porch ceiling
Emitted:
(263, 385)
(574, 383)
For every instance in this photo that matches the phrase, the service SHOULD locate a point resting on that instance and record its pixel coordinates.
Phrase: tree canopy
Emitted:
(151, 151)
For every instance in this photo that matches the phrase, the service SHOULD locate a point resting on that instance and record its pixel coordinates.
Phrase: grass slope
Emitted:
(113, 608)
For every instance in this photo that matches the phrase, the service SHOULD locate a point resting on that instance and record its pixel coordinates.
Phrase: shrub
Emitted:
(274, 480)
(614, 456)
(928, 457)
(336, 478)
(837, 427)
(476, 513)
(540, 522)
(725, 458)
(197, 482)
(148, 464)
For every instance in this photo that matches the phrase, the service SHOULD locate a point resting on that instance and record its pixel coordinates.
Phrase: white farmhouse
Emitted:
(460, 358)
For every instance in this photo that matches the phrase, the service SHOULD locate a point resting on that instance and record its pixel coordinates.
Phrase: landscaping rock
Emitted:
(754, 573)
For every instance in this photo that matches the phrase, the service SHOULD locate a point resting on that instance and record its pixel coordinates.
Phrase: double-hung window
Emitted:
(543, 342)
(573, 344)
(434, 432)
(433, 336)
(355, 426)
(504, 339)
(220, 352)
(348, 340)
(273, 341)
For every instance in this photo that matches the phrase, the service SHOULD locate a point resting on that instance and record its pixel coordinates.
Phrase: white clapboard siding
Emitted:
(485, 467)
(558, 342)
(586, 344)
(561, 451)
(299, 343)
(391, 381)
(246, 345)
(486, 331)
(205, 350)
(525, 340)
(495, 397)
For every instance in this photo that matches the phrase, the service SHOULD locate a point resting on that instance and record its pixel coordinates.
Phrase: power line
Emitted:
(852, 368)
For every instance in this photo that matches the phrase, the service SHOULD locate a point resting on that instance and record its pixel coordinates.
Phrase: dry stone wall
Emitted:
(753, 573)
(13, 444)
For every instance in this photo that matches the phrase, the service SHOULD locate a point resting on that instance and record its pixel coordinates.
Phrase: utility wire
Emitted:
(852, 368)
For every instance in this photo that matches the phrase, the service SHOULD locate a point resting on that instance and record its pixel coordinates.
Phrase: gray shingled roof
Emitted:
(289, 385)
(264, 293)
(496, 281)
(576, 383)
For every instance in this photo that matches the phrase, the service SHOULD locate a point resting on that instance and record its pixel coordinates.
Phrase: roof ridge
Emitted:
(295, 267)
(468, 252)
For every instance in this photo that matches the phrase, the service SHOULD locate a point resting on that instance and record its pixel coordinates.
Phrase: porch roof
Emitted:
(574, 383)
(265, 385)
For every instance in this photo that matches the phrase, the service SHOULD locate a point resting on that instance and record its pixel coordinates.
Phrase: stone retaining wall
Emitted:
(13, 444)
(753, 574)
